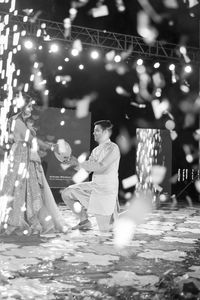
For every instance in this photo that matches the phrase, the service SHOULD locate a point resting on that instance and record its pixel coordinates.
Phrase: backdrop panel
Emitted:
(53, 124)
(154, 147)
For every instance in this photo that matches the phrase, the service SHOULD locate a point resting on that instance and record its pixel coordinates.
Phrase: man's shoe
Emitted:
(83, 225)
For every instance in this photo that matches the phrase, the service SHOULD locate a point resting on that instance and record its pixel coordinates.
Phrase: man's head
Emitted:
(102, 130)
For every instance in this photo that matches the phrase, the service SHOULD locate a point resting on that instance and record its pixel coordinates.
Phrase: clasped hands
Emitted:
(72, 161)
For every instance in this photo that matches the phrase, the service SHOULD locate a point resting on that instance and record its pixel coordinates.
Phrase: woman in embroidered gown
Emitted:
(32, 209)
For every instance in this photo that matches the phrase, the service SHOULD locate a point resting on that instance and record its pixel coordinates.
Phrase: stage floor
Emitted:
(161, 261)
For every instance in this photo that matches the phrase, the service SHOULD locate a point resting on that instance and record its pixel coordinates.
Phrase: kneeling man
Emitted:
(98, 197)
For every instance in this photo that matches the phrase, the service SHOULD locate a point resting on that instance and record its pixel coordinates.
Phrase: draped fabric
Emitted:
(32, 206)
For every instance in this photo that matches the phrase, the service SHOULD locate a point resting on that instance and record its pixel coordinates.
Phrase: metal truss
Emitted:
(107, 40)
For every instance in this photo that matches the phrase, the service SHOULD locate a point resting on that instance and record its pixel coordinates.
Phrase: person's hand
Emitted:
(73, 161)
(55, 148)
(52, 146)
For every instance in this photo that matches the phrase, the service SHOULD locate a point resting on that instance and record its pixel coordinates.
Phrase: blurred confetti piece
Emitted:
(189, 201)
(82, 106)
(144, 29)
(110, 55)
(149, 10)
(158, 188)
(193, 3)
(80, 176)
(124, 142)
(34, 18)
(173, 135)
(77, 45)
(158, 173)
(124, 229)
(158, 80)
(174, 201)
(100, 11)
(4, 202)
(77, 207)
(125, 54)
(189, 120)
(121, 91)
(48, 218)
(138, 105)
(129, 181)
(72, 13)
(170, 3)
(82, 157)
(196, 135)
(125, 226)
(174, 178)
(183, 51)
(120, 5)
(67, 27)
(159, 107)
(170, 125)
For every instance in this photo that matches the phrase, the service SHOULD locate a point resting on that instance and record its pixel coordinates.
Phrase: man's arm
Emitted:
(94, 166)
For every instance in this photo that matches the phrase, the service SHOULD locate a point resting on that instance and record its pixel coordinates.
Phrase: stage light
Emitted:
(66, 59)
(188, 69)
(139, 62)
(94, 54)
(156, 65)
(60, 68)
(54, 48)
(117, 58)
(40, 47)
(172, 67)
(62, 123)
(81, 67)
(74, 52)
(28, 44)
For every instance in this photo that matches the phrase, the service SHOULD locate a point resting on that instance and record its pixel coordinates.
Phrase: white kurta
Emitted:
(104, 163)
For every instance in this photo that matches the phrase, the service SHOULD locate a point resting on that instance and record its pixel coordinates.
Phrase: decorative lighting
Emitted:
(117, 58)
(156, 65)
(94, 54)
(172, 67)
(54, 48)
(28, 44)
(74, 52)
(140, 62)
(188, 69)
(81, 67)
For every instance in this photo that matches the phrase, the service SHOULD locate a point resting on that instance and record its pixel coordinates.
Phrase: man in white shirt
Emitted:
(99, 196)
